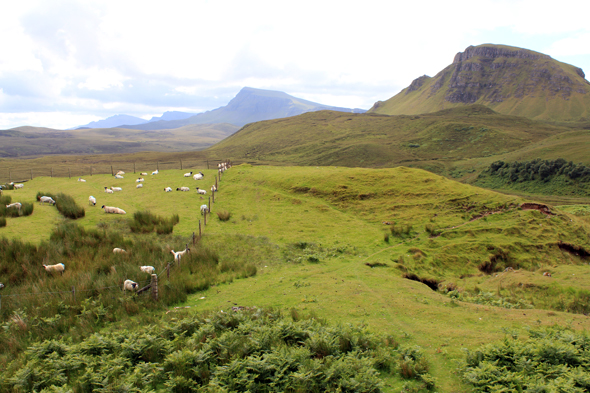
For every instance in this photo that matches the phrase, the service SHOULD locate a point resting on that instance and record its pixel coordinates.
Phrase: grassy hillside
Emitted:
(33, 141)
(509, 80)
(338, 242)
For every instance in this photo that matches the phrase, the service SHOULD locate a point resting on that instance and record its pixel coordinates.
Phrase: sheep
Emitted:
(60, 267)
(147, 269)
(188, 174)
(108, 190)
(16, 205)
(119, 177)
(92, 200)
(139, 179)
(82, 180)
(120, 173)
(140, 185)
(1, 285)
(47, 199)
(204, 209)
(116, 189)
(198, 176)
(201, 191)
(17, 186)
(168, 189)
(179, 254)
(143, 173)
(129, 285)
(156, 172)
(118, 250)
(213, 188)
(113, 210)
(183, 189)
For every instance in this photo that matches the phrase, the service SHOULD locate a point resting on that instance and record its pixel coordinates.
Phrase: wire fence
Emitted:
(20, 171)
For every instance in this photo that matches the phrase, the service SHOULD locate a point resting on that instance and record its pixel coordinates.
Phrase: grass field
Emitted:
(338, 241)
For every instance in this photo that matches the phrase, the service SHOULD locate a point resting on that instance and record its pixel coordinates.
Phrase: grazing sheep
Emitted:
(198, 176)
(183, 189)
(16, 205)
(1, 285)
(60, 267)
(17, 186)
(179, 254)
(147, 269)
(118, 250)
(204, 209)
(108, 190)
(201, 191)
(213, 188)
(140, 185)
(129, 285)
(188, 174)
(92, 200)
(119, 177)
(82, 180)
(116, 189)
(168, 189)
(139, 179)
(156, 172)
(120, 173)
(143, 173)
(47, 199)
(113, 210)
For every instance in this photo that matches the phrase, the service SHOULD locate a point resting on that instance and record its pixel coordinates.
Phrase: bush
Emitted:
(146, 222)
(224, 215)
(67, 206)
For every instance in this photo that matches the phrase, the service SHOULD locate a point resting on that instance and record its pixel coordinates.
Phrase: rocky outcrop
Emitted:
(417, 83)
(494, 51)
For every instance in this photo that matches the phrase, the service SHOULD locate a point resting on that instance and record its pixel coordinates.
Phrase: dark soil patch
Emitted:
(578, 251)
(430, 282)
(537, 206)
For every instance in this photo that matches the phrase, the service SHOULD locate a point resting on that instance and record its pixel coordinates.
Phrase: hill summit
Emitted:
(510, 80)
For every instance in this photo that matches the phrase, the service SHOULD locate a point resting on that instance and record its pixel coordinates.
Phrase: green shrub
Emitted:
(67, 206)
(145, 222)
(27, 209)
(224, 215)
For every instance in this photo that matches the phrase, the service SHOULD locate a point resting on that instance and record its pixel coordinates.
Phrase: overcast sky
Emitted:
(67, 63)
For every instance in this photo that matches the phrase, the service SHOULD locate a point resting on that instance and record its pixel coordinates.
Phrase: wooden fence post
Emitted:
(133, 166)
(74, 294)
(209, 205)
(199, 229)
(9, 179)
(213, 196)
(31, 174)
(205, 217)
(90, 170)
(168, 271)
(216, 187)
(51, 171)
(194, 240)
(69, 173)
(158, 166)
(180, 164)
(155, 287)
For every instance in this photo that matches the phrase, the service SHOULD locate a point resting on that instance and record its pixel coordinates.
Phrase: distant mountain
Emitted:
(248, 106)
(171, 115)
(509, 80)
(114, 121)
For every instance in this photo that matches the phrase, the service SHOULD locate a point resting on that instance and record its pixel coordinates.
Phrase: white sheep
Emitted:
(143, 173)
(119, 177)
(108, 190)
(60, 267)
(129, 285)
(47, 199)
(179, 254)
(120, 173)
(118, 250)
(156, 172)
(116, 189)
(198, 176)
(168, 189)
(188, 174)
(140, 185)
(113, 210)
(82, 180)
(1, 285)
(204, 209)
(17, 186)
(182, 189)
(201, 191)
(213, 188)
(16, 205)
(147, 269)
(92, 200)
(139, 179)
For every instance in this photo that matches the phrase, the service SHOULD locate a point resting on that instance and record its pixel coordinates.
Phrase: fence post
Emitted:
(69, 173)
(133, 166)
(209, 205)
(31, 174)
(158, 166)
(74, 293)
(112, 173)
(180, 164)
(155, 287)
(199, 229)
(205, 216)
(207, 164)
(193, 238)
(51, 171)
(213, 195)
(90, 170)
(168, 271)
(216, 187)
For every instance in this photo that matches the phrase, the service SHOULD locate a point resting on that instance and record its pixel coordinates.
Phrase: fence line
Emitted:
(17, 173)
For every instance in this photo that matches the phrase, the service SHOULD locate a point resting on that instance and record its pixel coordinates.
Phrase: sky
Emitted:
(65, 63)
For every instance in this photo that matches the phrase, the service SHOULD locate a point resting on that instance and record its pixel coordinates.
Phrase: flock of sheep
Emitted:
(128, 285)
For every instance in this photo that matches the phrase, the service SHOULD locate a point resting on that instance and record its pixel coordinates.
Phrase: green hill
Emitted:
(509, 80)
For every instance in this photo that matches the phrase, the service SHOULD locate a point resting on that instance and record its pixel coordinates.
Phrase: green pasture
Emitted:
(337, 242)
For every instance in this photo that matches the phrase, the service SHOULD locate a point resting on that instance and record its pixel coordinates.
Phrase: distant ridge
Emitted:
(509, 80)
(248, 106)
(113, 121)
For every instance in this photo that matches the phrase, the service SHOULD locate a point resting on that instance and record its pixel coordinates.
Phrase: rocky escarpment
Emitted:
(494, 74)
